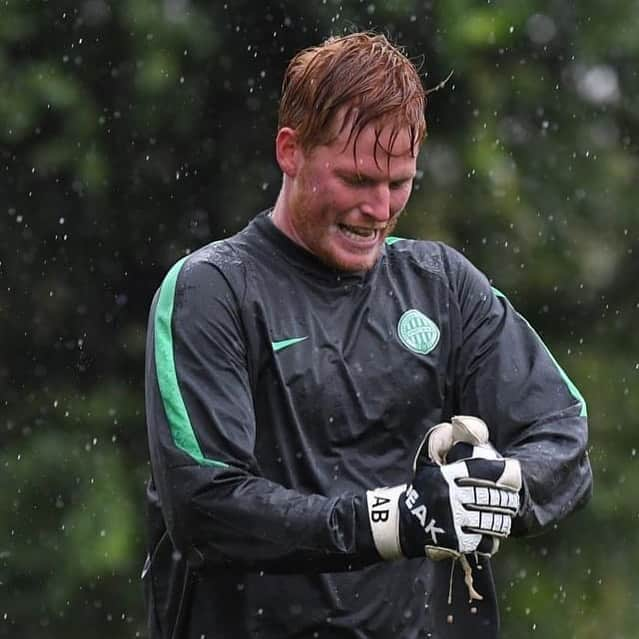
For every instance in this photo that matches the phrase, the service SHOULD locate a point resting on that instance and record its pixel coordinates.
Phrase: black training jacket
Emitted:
(278, 391)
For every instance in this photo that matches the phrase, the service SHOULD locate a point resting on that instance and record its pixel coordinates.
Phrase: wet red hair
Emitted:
(353, 80)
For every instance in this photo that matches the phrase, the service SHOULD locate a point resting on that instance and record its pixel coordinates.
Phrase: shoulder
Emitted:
(214, 270)
(468, 288)
(433, 257)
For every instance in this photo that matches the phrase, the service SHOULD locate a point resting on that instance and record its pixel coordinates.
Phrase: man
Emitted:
(294, 371)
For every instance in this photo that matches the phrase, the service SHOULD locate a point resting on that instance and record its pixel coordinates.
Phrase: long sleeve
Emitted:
(217, 507)
(508, 377)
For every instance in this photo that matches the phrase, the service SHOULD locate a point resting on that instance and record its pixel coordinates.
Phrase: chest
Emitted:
(358, 364)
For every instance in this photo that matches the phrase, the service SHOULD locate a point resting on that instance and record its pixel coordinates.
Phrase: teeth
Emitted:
(355, 232)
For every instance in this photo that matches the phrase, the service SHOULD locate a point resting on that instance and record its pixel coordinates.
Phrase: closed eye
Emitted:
(357, 180)
(362, 181)
(400, 184)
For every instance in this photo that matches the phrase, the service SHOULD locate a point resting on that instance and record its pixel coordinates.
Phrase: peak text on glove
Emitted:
(422, 514)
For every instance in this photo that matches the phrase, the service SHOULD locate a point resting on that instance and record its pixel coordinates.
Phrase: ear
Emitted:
(288, 151)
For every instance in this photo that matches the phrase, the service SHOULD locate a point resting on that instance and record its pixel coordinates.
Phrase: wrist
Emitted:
(383, 517)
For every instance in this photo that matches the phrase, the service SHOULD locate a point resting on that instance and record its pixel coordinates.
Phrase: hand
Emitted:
(458, 508)
(449, 509)
(464, 437)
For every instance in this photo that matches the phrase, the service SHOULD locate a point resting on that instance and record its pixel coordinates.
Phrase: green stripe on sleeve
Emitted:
(176, 413)
(574, 391)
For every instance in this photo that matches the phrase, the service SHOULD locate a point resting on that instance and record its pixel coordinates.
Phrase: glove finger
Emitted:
(479, 495)
(469, 429)
(489, 498)
(487, 523)
(463, 450)
(503, 473)
(459, 452)
(440, 439)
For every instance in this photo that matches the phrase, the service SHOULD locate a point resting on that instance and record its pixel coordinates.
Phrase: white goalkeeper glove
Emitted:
(449, 509)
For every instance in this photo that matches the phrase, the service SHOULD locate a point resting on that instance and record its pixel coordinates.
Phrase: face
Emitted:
(341, 207)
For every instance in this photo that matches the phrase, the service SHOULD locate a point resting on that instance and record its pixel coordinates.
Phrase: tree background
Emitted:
(134, 132)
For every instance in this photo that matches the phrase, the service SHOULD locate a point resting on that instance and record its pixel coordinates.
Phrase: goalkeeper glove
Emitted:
(449, 509)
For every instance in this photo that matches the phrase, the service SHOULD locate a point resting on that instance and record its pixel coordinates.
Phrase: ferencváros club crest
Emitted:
(417, 332)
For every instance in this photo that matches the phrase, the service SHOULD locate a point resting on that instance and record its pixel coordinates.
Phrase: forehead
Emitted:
(378, 146)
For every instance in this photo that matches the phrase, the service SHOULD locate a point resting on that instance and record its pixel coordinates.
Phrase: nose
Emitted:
(377, 203)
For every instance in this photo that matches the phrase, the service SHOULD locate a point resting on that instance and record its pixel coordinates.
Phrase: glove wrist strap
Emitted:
(383, 516)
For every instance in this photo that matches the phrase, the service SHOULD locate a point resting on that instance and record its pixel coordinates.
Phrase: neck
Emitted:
(280, 216)
(277, 214)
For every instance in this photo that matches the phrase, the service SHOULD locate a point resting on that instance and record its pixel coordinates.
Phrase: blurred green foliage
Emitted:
(134, 132)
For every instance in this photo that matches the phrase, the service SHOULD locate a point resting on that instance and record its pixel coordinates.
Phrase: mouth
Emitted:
(361, 234)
